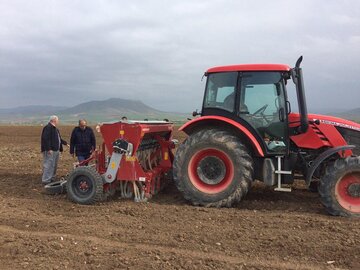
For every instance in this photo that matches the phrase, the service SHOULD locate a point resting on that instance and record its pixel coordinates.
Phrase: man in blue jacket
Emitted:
(82, 142)
(51, 146)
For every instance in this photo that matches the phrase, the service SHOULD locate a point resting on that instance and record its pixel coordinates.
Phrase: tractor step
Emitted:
(282, 189)
(279, 172)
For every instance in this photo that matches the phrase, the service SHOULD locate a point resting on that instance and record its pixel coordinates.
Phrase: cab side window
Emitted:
(220, 91)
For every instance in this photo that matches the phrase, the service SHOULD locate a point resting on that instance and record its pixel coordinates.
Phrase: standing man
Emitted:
(82, 142)
(51, 145)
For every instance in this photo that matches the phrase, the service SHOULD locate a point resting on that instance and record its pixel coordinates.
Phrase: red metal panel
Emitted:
(335, 121)
(332, 134)
(323, 134)
(251, 137)
(130, 170)
(133, 132)
(310, 140)
(113, 131)
(250, 67)
(100, 157)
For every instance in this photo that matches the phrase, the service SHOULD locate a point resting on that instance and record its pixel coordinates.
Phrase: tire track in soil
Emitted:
(186, 253)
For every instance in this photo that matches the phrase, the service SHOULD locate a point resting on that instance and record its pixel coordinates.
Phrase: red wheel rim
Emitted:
(84, 185)
(221, 179)
(343, 193)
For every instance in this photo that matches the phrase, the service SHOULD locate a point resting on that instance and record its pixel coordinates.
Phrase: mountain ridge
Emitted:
(111, 109)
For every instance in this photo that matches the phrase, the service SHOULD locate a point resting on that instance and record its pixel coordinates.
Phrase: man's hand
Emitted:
(49, 152)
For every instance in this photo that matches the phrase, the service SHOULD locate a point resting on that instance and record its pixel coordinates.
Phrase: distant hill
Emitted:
(113, 109)
(353, 114)
(94, 111)
(112, 105)
(326, 111)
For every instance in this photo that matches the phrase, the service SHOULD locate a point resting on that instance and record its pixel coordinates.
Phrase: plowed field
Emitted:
(267, 230)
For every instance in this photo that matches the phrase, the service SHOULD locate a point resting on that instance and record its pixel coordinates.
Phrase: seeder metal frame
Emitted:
(139, 170)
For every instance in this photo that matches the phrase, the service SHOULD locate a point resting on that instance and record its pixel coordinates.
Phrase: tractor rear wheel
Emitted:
(85, 186)
(213, 168)
(340, 187)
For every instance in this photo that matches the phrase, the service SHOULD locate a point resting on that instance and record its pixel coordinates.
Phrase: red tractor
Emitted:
(246, 131)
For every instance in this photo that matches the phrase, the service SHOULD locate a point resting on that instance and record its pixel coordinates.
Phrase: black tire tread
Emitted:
(242, 155)
(98, 196)
(328, 183)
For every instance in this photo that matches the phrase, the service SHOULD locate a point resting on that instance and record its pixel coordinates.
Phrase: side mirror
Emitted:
(195, 113)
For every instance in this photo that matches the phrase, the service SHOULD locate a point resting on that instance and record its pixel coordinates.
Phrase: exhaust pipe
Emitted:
(297, 77)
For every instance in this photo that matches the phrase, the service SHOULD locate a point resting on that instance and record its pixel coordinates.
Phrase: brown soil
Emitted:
(268, 230)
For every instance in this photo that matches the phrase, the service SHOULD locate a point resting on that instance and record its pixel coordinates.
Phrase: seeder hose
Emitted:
(136, 192)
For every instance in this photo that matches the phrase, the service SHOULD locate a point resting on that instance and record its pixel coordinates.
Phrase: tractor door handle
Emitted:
(281, 114)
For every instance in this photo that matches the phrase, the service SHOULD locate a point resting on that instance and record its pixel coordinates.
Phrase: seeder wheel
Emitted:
(85, 186)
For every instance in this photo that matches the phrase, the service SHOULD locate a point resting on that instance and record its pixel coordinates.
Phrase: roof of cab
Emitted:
(250, 67)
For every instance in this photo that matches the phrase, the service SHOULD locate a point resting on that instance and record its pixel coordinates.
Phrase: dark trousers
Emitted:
(82, 158)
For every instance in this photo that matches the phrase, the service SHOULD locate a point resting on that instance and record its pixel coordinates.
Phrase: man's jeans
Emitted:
(82, 158)
(49, 166)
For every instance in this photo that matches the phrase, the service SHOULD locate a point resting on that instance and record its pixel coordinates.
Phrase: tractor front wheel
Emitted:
(213, 168)
(85, 186)
(339, 188)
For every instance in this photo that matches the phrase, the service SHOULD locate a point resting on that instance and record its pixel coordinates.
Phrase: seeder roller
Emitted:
(135, 158)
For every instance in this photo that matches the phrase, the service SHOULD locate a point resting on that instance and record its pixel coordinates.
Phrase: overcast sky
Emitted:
(68, 52)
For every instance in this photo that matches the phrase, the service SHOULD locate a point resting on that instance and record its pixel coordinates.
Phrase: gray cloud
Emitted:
(67, 52)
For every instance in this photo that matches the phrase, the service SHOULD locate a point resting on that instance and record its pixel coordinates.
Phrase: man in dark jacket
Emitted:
(82, 142)
(51, 145)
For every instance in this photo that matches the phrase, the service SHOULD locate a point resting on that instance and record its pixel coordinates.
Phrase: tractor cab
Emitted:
(256, 99)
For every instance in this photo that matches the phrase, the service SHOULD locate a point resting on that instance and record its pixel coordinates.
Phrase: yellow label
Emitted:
(166, 155)
(122, 132)
(113, 165)
(129, 159)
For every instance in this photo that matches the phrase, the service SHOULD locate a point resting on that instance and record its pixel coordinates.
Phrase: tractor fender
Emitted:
(324, 155)
(189, 126)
